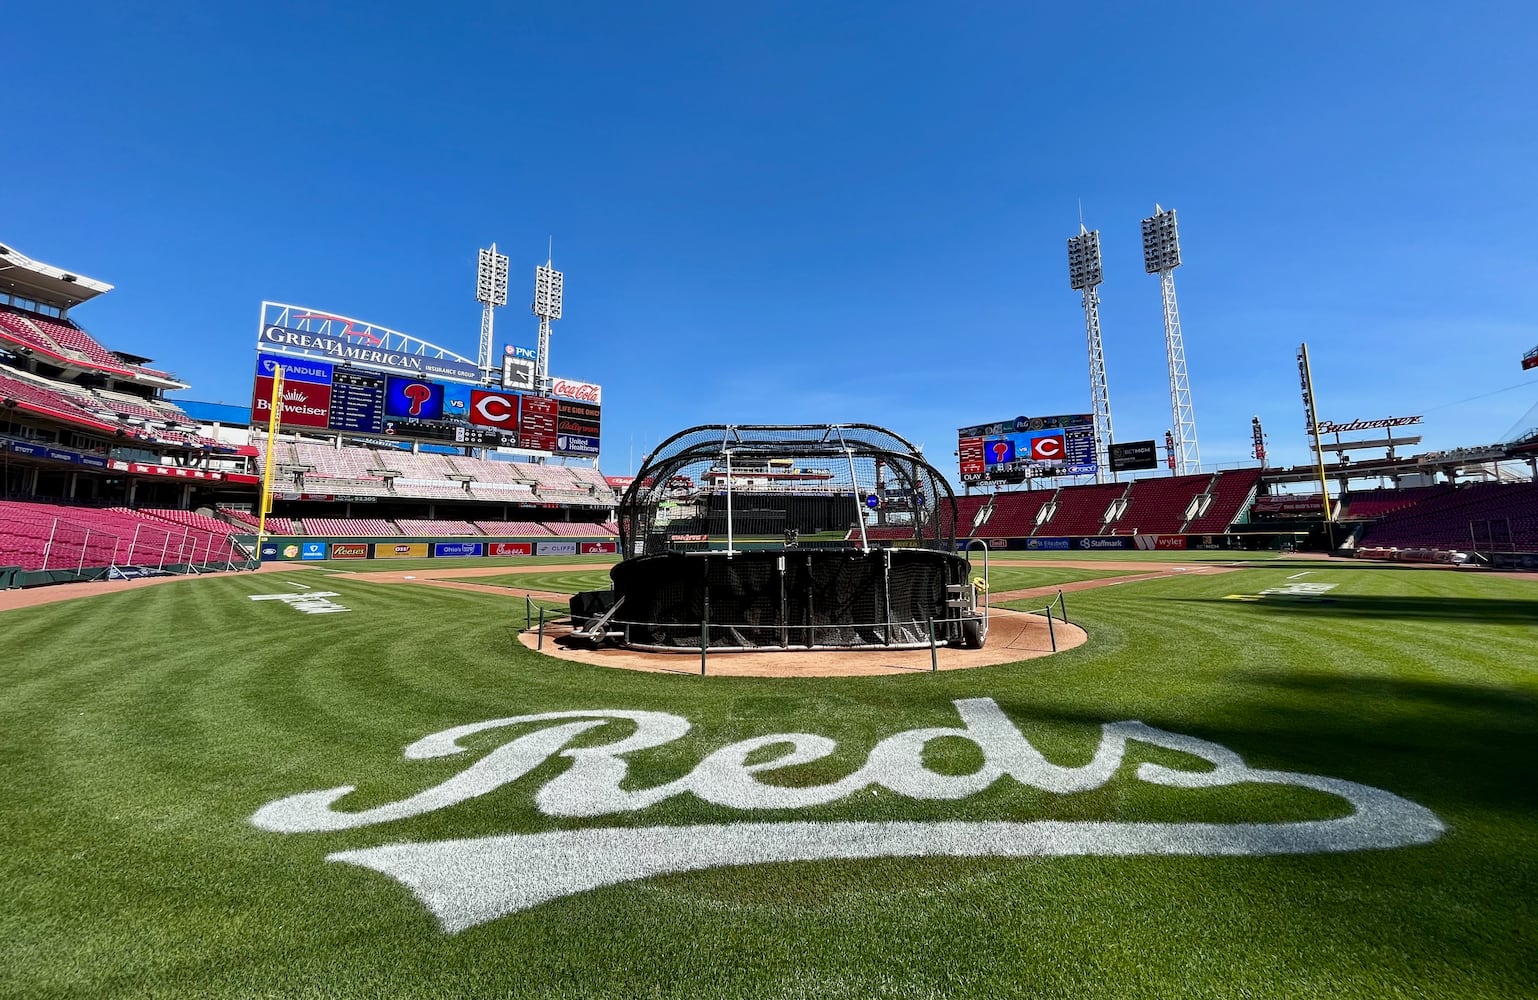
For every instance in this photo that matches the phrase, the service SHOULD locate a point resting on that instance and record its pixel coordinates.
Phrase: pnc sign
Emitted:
(469, 881)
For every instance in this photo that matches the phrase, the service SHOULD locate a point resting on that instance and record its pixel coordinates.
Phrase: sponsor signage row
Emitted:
(1114, 543)
(295, 549)
(52, 454)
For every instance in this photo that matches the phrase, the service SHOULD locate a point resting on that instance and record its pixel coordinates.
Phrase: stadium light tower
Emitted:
(1161, 255)
(1084, 274)
(548, 283)
(490, 292)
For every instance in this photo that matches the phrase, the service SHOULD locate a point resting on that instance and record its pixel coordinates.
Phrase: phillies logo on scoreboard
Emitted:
(405, 397)
(1048, 448)
(585, 392)
(494, 409)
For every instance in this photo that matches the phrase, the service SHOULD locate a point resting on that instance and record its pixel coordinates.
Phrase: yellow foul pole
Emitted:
(272, 435)
(1313, 427)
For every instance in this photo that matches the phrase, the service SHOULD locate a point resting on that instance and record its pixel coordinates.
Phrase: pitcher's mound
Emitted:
(1012, 636)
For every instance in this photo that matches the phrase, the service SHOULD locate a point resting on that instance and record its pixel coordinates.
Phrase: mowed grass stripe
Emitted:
(556, 582)
(137, 850)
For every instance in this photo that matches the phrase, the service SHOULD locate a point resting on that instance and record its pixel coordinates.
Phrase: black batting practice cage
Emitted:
(776, 537)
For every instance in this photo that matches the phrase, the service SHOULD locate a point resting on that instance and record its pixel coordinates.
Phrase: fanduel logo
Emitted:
(465, 882)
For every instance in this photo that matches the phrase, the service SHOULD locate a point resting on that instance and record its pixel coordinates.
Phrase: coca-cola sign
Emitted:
(585, 392)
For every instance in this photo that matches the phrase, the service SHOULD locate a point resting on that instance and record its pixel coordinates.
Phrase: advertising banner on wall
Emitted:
(1162, 543)
(562, 548)
(582, 392)
(305, 404)
(361, 344)
(295, 369)
(312, 550)
(1134, 455)
(510, 548)
(349, 550)
(457, 550)
(400, 550)
(597, 548)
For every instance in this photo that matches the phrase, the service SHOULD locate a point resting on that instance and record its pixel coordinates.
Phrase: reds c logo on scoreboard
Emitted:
(494, 409)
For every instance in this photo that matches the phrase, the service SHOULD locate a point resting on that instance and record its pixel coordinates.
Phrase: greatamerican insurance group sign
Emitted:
(472, 880)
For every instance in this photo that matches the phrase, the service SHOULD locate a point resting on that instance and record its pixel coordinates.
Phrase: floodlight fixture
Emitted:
(548, 284)
(547, 292)
(1161, 242)
(491, 278)
(490, 292)
(1084, 274)
(1084, 270)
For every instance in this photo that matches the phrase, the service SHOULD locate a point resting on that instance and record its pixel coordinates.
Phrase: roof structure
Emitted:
(22, 276)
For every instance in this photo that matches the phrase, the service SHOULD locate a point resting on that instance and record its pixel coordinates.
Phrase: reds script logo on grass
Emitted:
(471, 881)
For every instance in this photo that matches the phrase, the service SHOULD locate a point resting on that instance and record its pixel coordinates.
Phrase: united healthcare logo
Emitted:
(469, 881)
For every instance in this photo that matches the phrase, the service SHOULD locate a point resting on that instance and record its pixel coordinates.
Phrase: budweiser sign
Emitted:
(1331, 427)
(585, 392)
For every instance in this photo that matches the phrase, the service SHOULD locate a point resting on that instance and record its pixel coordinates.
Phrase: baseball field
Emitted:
(1284, 777)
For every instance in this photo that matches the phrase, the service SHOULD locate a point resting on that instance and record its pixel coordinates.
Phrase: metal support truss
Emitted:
(1183, 418)
(486, 340)
(1100, 396)
(542, 359)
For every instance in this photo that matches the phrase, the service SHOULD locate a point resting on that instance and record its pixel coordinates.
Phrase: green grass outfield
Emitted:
(141, 730)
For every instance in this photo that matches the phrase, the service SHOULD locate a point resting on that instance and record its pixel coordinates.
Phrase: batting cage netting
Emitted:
(785, 537)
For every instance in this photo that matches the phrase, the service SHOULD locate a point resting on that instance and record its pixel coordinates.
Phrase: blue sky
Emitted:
(802, 212)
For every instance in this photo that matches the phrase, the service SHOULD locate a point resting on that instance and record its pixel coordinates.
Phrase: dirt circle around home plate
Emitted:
(1012, 636)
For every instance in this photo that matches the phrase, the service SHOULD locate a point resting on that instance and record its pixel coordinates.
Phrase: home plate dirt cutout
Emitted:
(1012, 636)
(467, 882)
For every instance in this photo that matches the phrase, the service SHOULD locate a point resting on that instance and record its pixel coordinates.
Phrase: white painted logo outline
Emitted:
(466, 882)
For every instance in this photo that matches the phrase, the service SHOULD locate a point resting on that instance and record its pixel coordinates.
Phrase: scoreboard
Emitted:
(321, 396)
(1027, 447)
(357, 403)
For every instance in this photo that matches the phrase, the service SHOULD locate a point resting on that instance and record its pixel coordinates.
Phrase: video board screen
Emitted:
(1134, 455)
(319, 396)
(1061, 445)
(357, 403)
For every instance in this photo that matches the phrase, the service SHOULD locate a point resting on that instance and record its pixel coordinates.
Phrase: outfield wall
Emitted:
(1111, 543)
(312, 548)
